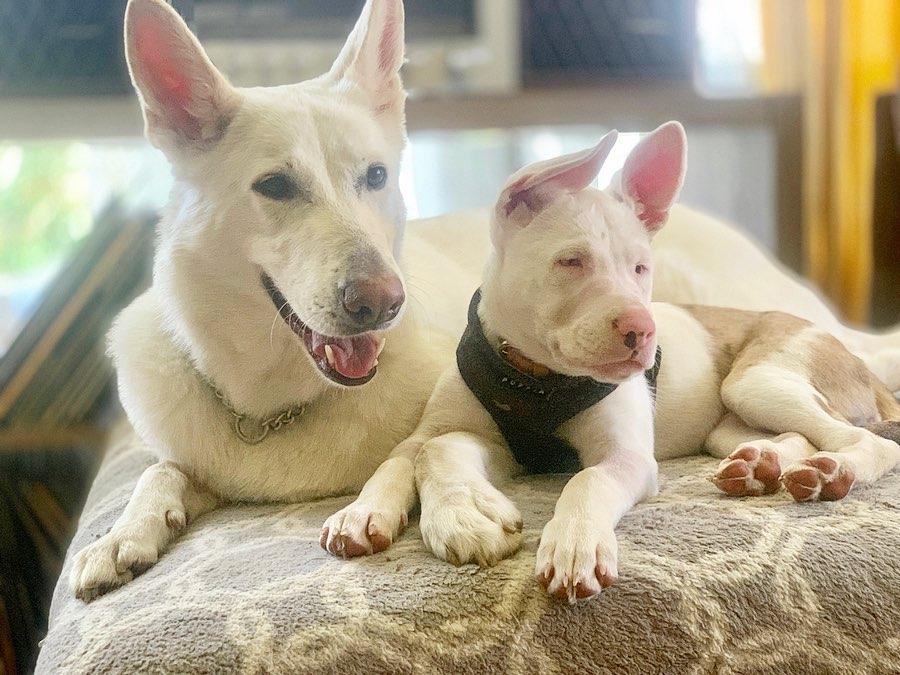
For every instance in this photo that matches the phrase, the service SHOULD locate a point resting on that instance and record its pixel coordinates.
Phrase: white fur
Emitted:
(541, 309)
(561, 315)
(688, 392)
(207, 318)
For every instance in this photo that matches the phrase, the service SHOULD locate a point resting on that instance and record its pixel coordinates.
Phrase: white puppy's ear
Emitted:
(373, 54)
(653, 174)
(532, 188)
(185, 100)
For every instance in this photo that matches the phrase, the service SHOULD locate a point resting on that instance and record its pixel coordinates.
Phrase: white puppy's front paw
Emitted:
(362, 528)
(120, 555)
(472, 523)
(576, 559)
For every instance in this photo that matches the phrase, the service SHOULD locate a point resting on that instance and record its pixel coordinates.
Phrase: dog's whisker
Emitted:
(416, 283)
(272, 328)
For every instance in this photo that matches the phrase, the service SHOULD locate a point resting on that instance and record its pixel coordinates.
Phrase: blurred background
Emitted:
(791, 110)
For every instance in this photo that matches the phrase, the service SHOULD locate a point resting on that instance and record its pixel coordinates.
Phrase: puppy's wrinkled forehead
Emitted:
(599, 220)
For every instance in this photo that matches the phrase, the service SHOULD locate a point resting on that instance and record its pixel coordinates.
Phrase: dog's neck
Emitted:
(219, 315)
(500, 331)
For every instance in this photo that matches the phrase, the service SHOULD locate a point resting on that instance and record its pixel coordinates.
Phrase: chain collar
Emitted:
(259, 428)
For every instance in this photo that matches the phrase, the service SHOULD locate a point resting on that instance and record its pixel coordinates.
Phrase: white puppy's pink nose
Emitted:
(636, 327)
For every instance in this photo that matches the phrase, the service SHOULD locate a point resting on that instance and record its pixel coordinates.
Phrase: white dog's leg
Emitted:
(781, 400)
(164, 501)
(752, 459)
(464, 517)
(578, 553)
(378, 515)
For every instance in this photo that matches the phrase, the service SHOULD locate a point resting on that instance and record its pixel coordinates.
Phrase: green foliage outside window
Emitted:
(44, 208)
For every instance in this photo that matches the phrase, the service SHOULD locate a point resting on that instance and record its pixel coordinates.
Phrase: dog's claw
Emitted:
(361, 529)
(575, 561)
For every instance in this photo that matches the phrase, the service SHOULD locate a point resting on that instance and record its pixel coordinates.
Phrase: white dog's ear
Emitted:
(185, 100)
(653, 174)
(532, 188)
(373, 54)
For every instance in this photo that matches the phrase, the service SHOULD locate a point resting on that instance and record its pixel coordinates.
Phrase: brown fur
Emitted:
(847, 390)
(888, 406)
(843, 380)
(741, 338)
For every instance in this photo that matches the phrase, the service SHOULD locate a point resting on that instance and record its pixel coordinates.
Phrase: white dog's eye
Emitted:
(640, 269)
(278, 186)
(376, 177)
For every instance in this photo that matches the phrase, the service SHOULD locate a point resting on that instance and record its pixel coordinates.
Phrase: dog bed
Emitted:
(707, 584)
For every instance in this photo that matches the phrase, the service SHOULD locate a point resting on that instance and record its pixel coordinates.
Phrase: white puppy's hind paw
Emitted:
(475, 523)
(119, 556)
(576, 560)
(362, 529)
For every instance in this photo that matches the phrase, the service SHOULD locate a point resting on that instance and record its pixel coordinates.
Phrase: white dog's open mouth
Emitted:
(350, 361)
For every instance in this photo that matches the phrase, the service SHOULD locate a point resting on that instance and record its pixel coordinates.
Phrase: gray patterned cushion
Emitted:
(707, 584)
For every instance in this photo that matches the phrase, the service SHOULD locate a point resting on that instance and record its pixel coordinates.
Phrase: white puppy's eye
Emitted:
(376, 177)
(641, 269)
(278, 186)
(571, 261)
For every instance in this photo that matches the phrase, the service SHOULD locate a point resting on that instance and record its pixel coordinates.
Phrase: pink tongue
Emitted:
(355, 357)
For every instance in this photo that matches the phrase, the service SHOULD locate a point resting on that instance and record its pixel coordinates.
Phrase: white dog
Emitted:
(277, 294)
(558, 338)
(275, 279)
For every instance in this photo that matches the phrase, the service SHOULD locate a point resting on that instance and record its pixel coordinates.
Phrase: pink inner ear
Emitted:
(654, 173)
(389, 45)
(571, 174)
(519, 196)
(165, 77)
(389, 54)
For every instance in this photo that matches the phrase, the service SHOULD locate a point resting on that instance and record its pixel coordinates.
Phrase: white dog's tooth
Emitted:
(375, 363)
(381, 344)
(329, 355)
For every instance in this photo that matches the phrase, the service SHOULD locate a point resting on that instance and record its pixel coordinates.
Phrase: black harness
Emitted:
(529, 409)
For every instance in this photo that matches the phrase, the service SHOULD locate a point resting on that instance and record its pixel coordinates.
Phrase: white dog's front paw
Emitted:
(576, 559)
(120, 555)
(362, 528)
(474, 523)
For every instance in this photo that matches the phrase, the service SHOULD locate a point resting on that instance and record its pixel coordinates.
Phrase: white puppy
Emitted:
(564, 312)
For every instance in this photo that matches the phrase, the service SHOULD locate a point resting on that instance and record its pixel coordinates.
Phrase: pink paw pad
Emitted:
(380, 541)
(749, 471)
(818, 478)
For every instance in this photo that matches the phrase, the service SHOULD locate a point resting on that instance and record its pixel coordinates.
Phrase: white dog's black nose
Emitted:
(373, 301)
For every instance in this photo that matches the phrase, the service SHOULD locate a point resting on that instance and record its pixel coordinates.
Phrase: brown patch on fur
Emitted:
(728, 328)
(888, 406)
(845, 388)
(843, 380)
(742, 339)
(769, 337)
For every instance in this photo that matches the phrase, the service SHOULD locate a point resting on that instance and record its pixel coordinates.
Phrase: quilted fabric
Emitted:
(707, 584)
